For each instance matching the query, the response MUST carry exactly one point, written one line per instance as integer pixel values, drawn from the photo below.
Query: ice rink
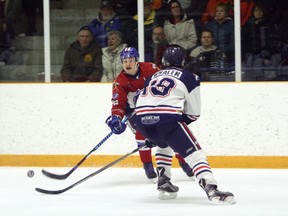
(126, 191)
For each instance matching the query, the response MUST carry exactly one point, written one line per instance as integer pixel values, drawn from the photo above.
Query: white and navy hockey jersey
(171, 94)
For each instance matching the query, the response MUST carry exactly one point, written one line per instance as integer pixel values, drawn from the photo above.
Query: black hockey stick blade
(44, 191)
(56, 176)
(66, 175)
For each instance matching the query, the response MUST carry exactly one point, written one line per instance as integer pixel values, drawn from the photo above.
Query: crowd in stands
(190, 24)
(204, 28)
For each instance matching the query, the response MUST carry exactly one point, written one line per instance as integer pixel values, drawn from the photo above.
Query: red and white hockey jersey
(125, 87)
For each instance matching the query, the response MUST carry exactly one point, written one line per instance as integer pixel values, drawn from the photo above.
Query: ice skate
(150, 172)
(188, 170)
(216, 196)
(166, 189)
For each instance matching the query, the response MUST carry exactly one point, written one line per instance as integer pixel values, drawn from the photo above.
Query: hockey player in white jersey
(164, 108)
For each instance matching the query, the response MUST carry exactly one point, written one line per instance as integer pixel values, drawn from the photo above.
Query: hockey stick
(40, 190)
(64, 176)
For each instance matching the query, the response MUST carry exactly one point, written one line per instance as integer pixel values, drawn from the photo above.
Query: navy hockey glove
(116, 125)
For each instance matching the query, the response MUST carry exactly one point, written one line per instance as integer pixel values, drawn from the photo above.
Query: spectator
(158, 45)
(82, 61)
(206, 56)
(256, 31)
(206, 40)
(130, 28)
(222, 28)
(178, 28)
(259, 47)
(209, 13)
(274, 9)
(111, 56)
(245, 10)
(30, 7)
(9, 15)
(104, 22)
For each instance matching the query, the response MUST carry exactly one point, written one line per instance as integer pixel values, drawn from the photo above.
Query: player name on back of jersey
(171, 72)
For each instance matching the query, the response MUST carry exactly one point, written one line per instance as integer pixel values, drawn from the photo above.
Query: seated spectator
(274, 9)
(130, 27)
(222, 28)
(105, 21)
(158, 45)
(260, 46)
(245, 10)
(210, 11)
(206, 57)
(256, 31)
(111, 56)
(82, 61)
(178, 28)
(206, 40)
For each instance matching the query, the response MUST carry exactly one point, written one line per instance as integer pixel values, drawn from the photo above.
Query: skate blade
(228, 201)
(167, 195)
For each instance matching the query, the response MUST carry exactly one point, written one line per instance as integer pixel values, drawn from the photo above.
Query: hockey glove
(114, 122)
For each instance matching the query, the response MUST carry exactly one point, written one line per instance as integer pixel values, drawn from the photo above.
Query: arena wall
(243, 125)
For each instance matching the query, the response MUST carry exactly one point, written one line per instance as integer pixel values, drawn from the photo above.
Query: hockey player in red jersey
(125, 86)
(169, 102)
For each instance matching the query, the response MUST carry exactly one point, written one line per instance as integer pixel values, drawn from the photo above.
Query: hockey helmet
(174, 55)
(129, 52)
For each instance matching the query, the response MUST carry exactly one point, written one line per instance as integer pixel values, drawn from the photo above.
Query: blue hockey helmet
(174, 55)
(129, 52)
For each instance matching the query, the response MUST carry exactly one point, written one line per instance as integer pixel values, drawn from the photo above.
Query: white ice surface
(126, 191)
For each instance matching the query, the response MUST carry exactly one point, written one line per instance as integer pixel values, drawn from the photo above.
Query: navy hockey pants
(177, 135)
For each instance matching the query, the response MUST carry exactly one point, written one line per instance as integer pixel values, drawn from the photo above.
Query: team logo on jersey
(148, 120)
